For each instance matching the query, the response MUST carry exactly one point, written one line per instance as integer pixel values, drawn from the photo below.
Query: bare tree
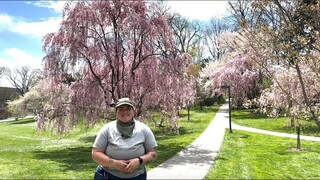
(2, 70)
(212, 33)
(240, 11)
(23, 79)
(186, 33)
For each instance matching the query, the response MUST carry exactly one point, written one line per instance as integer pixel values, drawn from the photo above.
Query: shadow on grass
(22, 121)
(166, 133)
(247, 114)
(71, 159)
(243, 136)
(313, 130)
(89, 139)
(220, 158)
(182, 115)
(206, 109)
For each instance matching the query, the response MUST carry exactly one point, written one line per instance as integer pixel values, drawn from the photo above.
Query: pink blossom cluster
(117, 49)
(285, 94)
(239, 74)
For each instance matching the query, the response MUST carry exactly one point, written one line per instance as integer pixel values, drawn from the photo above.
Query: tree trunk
(161, 122)
(292, 122)
(298, 137)
(315, 118)
(188, 112)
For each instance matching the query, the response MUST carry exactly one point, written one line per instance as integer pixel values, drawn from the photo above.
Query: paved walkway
(8, 119)
(196, 160)
(13, 118)
(309, 138)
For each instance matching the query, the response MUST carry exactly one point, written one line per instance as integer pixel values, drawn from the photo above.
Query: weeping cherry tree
(120, 49)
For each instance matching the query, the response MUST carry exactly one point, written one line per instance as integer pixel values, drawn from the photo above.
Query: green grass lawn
(25, 154)
(245, 117)
(247, 155)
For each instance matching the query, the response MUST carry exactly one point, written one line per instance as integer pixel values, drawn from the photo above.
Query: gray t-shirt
(109, 140)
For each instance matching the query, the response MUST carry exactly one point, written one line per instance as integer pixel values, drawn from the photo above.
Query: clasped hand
(127, 166)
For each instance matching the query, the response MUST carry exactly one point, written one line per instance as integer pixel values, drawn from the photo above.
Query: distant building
(6, 93)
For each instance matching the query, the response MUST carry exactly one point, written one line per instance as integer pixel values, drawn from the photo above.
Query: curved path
(309, 138)
(196, 160)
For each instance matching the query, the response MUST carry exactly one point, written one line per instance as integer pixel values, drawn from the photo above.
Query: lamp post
(228, 87)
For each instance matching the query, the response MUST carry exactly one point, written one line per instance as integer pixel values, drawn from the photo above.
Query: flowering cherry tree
(285, 96)
(289, 39)
(32, 101)
(118, 49)
(238, 73)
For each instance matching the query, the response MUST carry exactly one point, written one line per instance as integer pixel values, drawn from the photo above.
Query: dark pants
(101, 174)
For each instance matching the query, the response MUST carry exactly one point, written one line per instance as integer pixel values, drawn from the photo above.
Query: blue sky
(24, 23)
(22, 26)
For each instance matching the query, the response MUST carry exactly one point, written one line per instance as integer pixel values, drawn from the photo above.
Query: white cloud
(200, 10)
(57, 6)
(4, 82)
(37, 29)
(18, 58)
(6, 21)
